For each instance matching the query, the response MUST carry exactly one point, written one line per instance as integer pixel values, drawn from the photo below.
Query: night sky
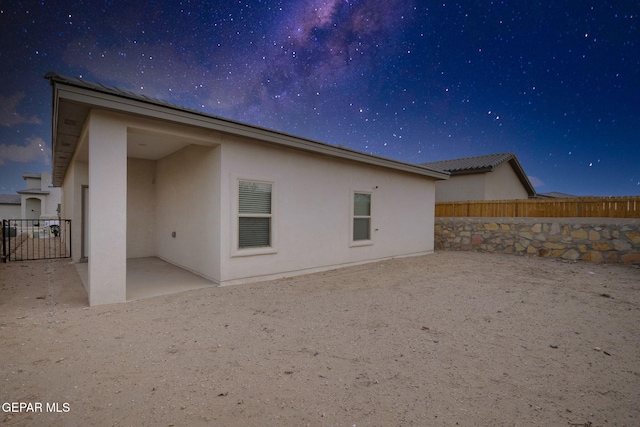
(556, 82)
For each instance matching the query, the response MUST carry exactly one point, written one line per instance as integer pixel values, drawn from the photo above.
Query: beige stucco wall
(312, 211)
(141, 208)
(107, 138)
(32, 206)
(51, 200)
(461, 187)
(77, 176)
(188, 203)
(129, 197)
(9, 211)
(136, 205)
(504, 184)
(32, 183)
(500, 184)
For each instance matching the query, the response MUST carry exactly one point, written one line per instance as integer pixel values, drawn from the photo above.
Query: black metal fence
(31, 239)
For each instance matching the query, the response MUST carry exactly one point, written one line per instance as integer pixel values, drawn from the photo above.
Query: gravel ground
(452, 338)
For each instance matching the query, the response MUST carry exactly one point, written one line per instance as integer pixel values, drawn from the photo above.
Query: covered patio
(130, 184)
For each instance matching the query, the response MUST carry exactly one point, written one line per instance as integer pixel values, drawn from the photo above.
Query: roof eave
(470, 171)
(524, 179)
(78, 93)
(31, 175)
(33, 191)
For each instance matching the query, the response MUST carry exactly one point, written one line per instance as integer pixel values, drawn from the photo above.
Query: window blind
(254, 232)
(254, 214)
(361, 227)
(362, 204)
(361, 216)
(255, 198)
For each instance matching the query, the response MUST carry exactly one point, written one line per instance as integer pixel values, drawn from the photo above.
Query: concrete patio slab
(150, 277)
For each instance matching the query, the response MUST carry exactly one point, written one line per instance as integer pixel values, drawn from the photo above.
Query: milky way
(558, 83)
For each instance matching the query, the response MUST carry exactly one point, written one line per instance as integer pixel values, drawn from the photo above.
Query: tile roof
(10, 199)
(482, 164)
(471, 164)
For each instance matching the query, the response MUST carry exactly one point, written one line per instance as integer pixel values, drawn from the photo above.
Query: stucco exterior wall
(9, 211)
(77, 176)
(32, 206)
(461, 187)
(141, 208)
(107, 138)
(313, 211)
(137, 205)
(504, 184)
(32, 183)
(188, 203)
(48, 206)
(500, 184)
(53, 199)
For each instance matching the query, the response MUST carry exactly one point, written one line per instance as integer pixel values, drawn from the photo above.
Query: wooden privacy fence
(581, 207)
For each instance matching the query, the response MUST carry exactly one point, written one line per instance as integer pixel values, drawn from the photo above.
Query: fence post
(68, 227)
(580, 208)
(4, 241)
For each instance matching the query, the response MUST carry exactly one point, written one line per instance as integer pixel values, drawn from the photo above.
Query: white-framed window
(254, 225)
(361, 218)
(254, 214)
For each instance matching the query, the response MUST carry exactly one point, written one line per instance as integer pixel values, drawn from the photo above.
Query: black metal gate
(31, 239)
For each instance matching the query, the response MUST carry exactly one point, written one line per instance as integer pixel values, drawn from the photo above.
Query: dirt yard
(453, 338)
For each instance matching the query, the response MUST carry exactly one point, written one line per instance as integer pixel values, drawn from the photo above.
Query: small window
(361, 216)
(254, 215)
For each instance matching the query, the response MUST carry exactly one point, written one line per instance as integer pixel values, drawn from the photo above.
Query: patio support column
(107, 137)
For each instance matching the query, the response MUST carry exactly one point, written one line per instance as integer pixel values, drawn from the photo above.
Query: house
(490, 177)
(232, 202)
(38, 201)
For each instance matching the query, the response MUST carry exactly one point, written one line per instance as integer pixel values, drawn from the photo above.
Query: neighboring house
(489, 177)
(229, 201)
(40, 200)
(10, 206)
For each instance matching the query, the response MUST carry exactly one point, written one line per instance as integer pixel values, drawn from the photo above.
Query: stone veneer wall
(608, 240)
